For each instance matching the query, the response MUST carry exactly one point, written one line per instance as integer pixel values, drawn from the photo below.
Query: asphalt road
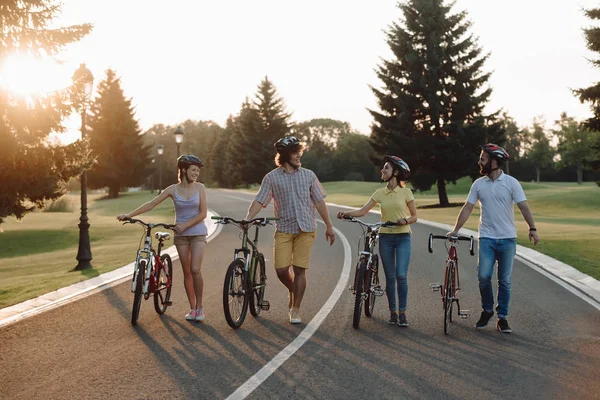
(89, 350)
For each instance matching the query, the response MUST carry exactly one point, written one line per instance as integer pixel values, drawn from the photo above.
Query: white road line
(248, 387)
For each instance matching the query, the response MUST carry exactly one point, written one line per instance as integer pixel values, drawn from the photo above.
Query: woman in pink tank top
(189, 198)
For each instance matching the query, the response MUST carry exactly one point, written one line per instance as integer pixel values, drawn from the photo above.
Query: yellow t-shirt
(394, 206)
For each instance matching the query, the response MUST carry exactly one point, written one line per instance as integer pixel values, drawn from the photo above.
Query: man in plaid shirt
(296, 193)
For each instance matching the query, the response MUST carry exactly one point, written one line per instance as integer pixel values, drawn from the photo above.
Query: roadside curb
(584, 284)
(57, 298)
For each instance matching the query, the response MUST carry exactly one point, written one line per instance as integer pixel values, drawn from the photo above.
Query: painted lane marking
(257, 379)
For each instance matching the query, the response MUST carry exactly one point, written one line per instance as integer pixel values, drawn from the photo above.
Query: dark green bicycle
(246, 278)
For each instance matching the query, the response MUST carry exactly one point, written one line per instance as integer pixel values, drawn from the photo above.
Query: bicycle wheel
(137, 297)
(235, 299)
(164, 284)
(258, 286)
(360, 288)
(372, 283)
(447, 299)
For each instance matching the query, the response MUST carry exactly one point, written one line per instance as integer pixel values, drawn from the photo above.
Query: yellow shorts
(293, 249)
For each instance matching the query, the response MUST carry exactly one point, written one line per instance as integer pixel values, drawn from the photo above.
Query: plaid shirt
(295, 196)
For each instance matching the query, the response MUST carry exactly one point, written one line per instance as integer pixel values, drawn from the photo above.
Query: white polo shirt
(496, 199)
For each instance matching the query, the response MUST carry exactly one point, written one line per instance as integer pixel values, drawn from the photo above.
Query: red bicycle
(153, 272)
(451, 284)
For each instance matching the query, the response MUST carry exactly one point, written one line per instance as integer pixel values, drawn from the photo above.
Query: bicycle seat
(162, 235)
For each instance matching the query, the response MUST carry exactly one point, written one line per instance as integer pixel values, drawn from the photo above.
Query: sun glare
(27, 76)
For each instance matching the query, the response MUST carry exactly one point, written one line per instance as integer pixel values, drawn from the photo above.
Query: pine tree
(122, 159)
(261, 123)
(31, 170)
(432, 96)
(591, 94)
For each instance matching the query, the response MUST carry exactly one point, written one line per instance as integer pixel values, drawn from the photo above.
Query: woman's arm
(358, 213)
(413, 214)
(149, 205)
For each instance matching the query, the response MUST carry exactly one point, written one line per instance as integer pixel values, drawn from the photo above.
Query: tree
(540, 152)
(591, 94)
(115, 140)
(32, 171)
(575, 144)
(321, 137)
(260, 124)
(432, 96)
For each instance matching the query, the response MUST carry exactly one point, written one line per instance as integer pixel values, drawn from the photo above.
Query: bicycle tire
(137, 296)
(358, 298)
(164, 284)
(373, 282)
(235, 297)
(447, 299)
(258, 284)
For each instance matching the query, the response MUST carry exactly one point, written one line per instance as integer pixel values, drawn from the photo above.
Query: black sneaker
(402, 321)
(393, 319)
(502, 326)
(484, 319)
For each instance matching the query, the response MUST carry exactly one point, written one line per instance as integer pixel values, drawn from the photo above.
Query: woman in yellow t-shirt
(397, 203)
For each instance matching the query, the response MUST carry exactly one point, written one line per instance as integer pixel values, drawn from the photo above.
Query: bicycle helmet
(285, 143)
(186, 160)
(400, 165)
(495, 151)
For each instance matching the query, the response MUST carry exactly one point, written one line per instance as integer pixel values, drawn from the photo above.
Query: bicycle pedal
(464, 314)
(265, 305)
(435, 286)
(168, 303)
(378, 291)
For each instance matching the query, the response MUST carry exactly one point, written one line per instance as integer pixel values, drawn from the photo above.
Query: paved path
(580, 284)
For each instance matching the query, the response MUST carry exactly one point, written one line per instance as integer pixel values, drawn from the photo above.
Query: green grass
(566, 215)
(37, 255)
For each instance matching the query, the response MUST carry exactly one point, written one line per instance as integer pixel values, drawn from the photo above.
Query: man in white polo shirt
(496, 193)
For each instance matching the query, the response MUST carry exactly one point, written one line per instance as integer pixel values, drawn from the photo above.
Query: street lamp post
(83, 78)
(160, 149)
(178, 138)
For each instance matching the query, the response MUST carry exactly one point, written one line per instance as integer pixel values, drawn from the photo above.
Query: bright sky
(191, 59)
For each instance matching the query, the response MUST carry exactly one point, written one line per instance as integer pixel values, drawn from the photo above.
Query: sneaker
(502, 326)
(290, 300)
(393, 318)
(402, 322)
(191, 315)
(200, 314)
(295, 316)
(484, 319)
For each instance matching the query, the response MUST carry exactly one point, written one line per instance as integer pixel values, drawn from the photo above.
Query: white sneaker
(191, 315)
(295, 316)
(200, 314)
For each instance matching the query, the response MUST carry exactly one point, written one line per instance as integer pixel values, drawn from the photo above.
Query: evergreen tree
(31, 170)
(591, 94)
(261, 123)
(122, 158)
(432, 96)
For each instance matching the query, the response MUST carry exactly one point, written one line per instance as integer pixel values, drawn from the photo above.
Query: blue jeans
(394, 250)
(490, 251)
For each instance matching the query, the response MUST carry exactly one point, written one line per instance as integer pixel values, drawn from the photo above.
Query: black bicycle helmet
(186, 160)
(401, 166)
(495, 151)
(285, 143)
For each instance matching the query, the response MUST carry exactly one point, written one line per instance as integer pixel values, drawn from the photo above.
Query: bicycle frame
(152, 259)
(449, 290)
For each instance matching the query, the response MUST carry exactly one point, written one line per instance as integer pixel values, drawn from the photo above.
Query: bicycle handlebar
(146, 224)
(451, 239)
(264, 221)
(385, 224)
